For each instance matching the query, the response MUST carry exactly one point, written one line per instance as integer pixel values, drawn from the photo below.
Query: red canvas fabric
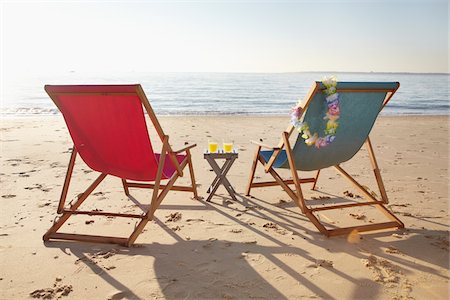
(109, 130)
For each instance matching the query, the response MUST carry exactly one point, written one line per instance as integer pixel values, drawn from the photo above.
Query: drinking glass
(227, 147)
(212, 147)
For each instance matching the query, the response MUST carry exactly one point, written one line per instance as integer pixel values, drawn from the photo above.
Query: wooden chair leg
(138, 231)
(315, 180)
(355, 183)
(65, 189)
(376, 171)
(153, 204)
(159, 173)
(252, 171)
(125, 187)
(156, 201)
(300, 200)
(191, 172)
(317, 223)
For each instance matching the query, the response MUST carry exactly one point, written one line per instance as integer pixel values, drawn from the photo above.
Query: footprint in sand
(176, 228)
(55, 165)
(351, 195)
(8, 196)
(57, 291)
(277, 229)
(176, 216)
(14, 162)
(383, 270)
(358, 216)
(281, 203)
(389, 275)
(321, 263)
(392, 250)
(39, 187)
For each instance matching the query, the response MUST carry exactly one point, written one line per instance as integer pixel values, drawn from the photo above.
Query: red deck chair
(108, 128)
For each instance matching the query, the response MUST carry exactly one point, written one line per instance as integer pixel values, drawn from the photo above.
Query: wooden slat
(362, 228)
(274, 183)
(352, 180)
(150, 112)
(315, 180)
(390, 215)
(191, 173)
(157, 126)
(252, 170)
(278, 178)
(345, 205)
(264, 145)
(376, 171)
(156, 201)
(270, 183)
(101, 213)
(316, 222)
(300, 201)
(185, 148)
(389, 95)
(304, 104)
(125, 187)
(88, 238)
(220, 155)
(161, 186)
(65, 189)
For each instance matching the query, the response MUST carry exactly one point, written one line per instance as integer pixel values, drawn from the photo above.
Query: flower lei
(332, 115)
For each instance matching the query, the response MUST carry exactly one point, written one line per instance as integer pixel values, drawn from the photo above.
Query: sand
(257, 247)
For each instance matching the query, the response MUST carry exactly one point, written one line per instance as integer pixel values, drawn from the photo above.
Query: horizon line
(281, 72)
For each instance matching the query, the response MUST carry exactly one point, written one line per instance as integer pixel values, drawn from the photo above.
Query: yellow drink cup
(227, 147)
(212, 147)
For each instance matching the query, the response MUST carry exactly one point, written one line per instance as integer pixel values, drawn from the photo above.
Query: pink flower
(334, 110)
(321, 142)
(333, 107)
(296, 111)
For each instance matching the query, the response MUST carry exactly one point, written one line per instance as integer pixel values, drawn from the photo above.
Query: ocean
(227, 93)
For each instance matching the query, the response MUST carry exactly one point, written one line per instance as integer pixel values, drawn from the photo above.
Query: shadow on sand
(221, 269)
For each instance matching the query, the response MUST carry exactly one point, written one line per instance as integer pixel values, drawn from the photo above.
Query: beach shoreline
(259, 246)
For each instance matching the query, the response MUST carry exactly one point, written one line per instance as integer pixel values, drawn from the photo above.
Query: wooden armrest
(185, 148)
(264, 145)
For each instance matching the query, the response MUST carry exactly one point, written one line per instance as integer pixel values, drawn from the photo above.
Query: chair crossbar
(161, 186)
(340, 206)
(275, 183)
(362, 228)
(101, 213)
(88, 238)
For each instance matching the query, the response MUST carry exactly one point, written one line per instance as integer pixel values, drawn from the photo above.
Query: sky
(224, 36)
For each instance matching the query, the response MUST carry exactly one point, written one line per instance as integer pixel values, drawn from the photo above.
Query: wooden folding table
(221, 172)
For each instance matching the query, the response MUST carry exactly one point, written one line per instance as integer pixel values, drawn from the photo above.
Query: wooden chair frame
(157, 196)
(297, 194)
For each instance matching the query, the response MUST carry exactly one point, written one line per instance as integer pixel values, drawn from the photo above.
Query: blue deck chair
(360, 104)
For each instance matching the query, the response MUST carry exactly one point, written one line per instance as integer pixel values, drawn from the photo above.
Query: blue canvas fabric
(359, 111)
(281, 158)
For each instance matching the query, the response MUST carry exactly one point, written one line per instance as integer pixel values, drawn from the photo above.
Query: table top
(220, 154)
